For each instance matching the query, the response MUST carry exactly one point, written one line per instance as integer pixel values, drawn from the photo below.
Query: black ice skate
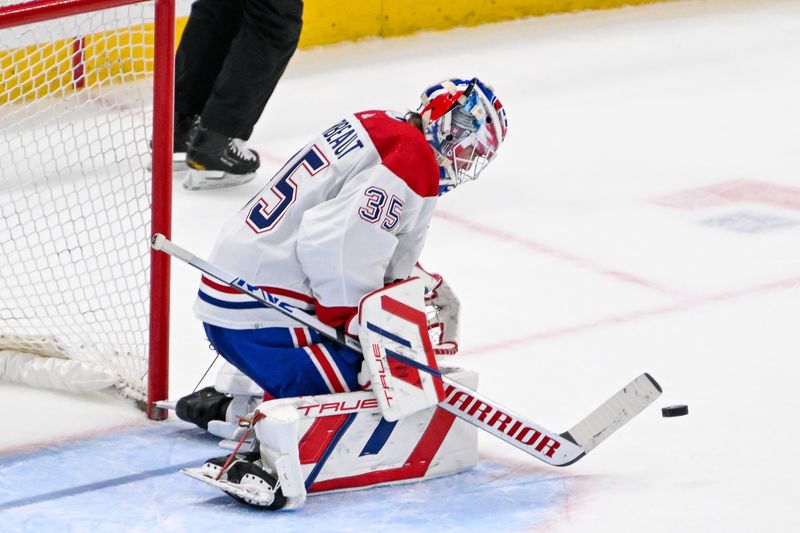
(180, 136)
(217, 161)
(203, 406)
(180, 133)
(244, 480)
(181, 129)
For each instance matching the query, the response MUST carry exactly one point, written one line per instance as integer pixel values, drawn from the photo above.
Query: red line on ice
(553, 252)
(685, 305)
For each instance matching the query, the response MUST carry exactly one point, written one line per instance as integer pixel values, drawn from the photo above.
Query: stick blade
(615, 412)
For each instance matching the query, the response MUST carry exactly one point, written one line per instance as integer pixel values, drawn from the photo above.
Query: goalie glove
(442, 308)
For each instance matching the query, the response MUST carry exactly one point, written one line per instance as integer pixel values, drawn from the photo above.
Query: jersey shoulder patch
(403, 150)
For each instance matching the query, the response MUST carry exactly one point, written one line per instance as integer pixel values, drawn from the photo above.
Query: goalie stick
(556, 449)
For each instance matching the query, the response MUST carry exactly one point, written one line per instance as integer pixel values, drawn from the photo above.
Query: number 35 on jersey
(267, 212)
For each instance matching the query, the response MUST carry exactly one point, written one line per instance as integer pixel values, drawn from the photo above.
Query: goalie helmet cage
(84, 86)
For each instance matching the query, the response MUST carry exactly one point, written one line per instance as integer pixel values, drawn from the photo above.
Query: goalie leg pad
(337, 442)
(276, 431)
(361, 449)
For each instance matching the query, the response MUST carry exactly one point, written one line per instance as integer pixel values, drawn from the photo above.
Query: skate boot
(181, 129)
(180, 136)
(183, 126)
(245, 480)
(216, 161)
(203, 406)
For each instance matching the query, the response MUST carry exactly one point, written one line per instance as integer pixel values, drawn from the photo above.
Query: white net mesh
(75, 120)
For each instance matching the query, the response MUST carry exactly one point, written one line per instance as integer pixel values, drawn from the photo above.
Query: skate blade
(252, 497)
(197, 180)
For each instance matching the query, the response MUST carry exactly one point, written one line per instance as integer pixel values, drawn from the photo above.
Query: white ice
(586, 254)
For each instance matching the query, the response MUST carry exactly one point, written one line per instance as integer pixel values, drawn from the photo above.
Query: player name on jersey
(342, 138)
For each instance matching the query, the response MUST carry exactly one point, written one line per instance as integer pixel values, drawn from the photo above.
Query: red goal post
(152, 49)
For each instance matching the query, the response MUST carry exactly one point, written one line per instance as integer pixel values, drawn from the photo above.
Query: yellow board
(123, 54)
(67, 64)
(331, 21)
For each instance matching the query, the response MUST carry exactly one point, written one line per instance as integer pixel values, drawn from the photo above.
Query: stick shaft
(552, 448)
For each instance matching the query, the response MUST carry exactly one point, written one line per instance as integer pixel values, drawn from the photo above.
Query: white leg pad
(341, 441)
(277, 434)
(369, 451)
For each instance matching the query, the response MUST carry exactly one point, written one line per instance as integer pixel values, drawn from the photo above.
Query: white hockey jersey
(346, 215)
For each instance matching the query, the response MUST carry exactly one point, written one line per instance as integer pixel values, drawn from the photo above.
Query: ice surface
(642, 216)
(128, 482)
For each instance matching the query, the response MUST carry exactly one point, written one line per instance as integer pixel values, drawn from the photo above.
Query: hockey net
(82, 304)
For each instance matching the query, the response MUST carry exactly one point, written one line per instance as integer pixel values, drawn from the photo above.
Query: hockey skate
(180, 135)
(203, 406)
(182, 127)
(216, 161)
(245, 480)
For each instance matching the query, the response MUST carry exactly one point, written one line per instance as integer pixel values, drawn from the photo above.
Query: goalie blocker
(398, 354)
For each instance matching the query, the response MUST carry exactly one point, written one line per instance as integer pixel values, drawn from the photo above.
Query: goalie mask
(465, 124)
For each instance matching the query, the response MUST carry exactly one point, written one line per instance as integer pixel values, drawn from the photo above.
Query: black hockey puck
(674, 410)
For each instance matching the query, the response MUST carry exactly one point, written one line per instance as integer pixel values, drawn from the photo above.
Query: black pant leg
(206, 40)
(267, 39)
